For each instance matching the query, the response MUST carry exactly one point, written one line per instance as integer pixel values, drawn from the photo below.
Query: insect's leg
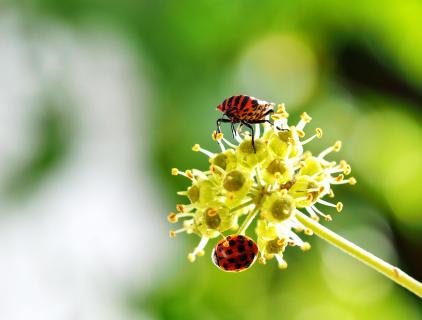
(247, 124)
(219, 121)
(233, 131)
(238, 128)
(268, 112)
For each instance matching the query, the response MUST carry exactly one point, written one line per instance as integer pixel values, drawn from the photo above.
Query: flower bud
(212, 218)
(305, 191)
(234, 181)
(279, 207)
(225, 160)
(277, 170)
(193, 193)
(248, 156)
(236, 185)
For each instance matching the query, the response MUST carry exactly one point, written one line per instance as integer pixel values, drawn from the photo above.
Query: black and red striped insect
(245, 110)
(235, 253)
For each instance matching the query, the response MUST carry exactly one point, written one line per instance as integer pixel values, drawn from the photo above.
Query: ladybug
(235, 253)
(245, 110)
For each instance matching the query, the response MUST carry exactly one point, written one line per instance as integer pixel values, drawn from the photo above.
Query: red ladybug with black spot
(245, 110)
(235, 253)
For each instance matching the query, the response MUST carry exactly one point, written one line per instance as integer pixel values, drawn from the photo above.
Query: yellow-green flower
(271, 184)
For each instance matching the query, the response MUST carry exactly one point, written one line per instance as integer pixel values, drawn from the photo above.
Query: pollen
(339, 206)
(174, 171)
(196, 147)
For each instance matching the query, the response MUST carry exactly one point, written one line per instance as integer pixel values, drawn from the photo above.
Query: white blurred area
(74, 247)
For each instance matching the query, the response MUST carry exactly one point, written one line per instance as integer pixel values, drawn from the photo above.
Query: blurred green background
(354, 66)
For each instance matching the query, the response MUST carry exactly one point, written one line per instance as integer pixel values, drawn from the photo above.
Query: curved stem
(249, 218)
(362, 255)
(241, 206)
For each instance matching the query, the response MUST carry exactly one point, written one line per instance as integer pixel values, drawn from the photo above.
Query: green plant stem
(243, 205)
(362, 255)
(249, 218)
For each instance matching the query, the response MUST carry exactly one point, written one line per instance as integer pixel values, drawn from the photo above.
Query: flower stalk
(362, 255)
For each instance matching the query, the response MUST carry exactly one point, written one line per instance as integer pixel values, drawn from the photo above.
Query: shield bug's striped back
(245, 108)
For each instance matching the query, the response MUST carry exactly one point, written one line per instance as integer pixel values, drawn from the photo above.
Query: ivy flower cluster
(270, 183)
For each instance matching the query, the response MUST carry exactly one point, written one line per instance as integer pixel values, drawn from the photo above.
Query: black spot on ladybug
(243, 257)
(232, 243)
(229, 252)
(241, 248)
(238, 265)
(231, 260)
(225, 266)
(250, 243)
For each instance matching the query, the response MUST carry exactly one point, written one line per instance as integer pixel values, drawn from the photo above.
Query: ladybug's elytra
(245, 110)
(235, 253)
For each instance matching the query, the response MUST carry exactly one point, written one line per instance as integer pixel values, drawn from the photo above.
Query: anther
(339, 206)
(191, 257)
(282, 265)
(308, 232)
(196, 147)
(352, 181)
(174, 171)
(300, 133)
(281, 108)
(305, 117)
(262, 260)
(216, 136)
(172, 233)
(212, 212)
(180, 207)
(189, 174)
(347, 170)
(305, 246)
(337, 146)
(172, 217)
(339, 178)
(318, 132)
